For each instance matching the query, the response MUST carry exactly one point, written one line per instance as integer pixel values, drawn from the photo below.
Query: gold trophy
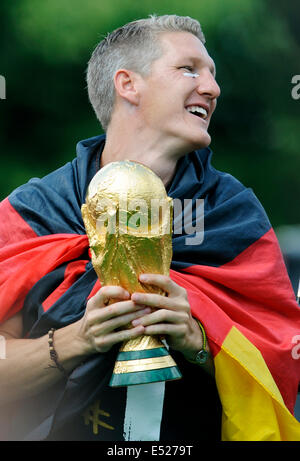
(128, 220)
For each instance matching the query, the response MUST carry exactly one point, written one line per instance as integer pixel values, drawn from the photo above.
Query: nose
(208, 85)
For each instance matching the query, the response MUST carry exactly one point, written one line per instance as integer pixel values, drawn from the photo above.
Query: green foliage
(45, 46)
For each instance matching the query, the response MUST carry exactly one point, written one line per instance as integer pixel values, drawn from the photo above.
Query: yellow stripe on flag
(253, 408)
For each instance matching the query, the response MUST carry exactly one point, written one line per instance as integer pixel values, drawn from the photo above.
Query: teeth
(198, 109)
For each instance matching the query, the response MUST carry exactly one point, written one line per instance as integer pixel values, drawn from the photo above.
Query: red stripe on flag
(13, 228)
(95, 289)
(73, 271)
(23, 264)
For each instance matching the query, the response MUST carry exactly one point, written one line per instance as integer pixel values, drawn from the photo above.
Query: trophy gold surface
(128, 220)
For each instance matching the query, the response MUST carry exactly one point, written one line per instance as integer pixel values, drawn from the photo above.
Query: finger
(105, 294)
(105, 313)
(118, 322)
(104, 343)
(161, 316)
(166, 329)
(164, 282)
(159, 301)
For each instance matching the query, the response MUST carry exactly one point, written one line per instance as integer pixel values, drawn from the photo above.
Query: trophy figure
(128, 220)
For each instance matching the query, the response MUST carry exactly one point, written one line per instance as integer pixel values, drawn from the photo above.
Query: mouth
(198, 111)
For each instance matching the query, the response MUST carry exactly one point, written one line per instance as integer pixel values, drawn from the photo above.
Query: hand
(101, 321)
(172, 318)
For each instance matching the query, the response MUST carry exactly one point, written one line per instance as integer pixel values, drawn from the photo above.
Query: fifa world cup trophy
(128, 220)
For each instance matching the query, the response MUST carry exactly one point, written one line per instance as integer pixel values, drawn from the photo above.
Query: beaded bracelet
(53, 353)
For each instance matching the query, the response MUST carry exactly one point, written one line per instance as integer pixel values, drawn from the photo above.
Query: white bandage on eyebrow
(191, 74)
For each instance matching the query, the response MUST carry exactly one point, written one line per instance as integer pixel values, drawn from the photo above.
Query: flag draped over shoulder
(235, 278)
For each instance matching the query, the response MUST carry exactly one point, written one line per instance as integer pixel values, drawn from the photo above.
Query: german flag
(235, 278)
(251, 319)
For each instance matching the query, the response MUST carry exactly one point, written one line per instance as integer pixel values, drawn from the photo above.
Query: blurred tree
(44, 50)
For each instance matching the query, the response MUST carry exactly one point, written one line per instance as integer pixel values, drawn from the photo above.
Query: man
(152, 85)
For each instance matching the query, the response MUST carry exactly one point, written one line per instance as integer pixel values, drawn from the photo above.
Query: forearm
(28, 369)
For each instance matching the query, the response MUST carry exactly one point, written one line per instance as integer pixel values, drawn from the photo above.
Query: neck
(155, 155)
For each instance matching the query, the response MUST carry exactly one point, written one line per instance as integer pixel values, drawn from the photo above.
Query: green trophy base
(145, 366)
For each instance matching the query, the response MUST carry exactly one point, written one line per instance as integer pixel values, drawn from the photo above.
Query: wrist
(200, 354)
(70, 347)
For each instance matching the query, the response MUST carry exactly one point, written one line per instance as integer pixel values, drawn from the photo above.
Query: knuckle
(160, 302)
(186, 317)
(169, 282)
(104, 290)
(90, 304)
(96, 330)
(100, 344)
(185, 329)
(186, 306)
(93, 317)
(183, 293)
(126, 334)
(109, 310)
(119, 322)
(103, 295)
(168, 329)
(89, 321)
(130, 333)
(181, 331)
(164, 314)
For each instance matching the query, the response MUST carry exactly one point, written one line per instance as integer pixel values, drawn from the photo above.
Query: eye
(189, 68)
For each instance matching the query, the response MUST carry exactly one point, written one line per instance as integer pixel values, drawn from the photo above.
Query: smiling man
(230, 313)
(166, 110)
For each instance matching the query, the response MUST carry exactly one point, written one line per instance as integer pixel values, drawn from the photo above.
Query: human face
(182, 78)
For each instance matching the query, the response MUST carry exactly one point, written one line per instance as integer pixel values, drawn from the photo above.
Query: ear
(125, 85)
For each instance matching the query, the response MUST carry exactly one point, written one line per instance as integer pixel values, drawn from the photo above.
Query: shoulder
(221, 186)
(52, 204)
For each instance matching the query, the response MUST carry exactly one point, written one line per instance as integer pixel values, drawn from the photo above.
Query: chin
(200, 142)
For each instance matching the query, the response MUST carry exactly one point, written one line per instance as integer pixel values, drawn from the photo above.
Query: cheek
(213, 105)
(159, 109)
(164, 102)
